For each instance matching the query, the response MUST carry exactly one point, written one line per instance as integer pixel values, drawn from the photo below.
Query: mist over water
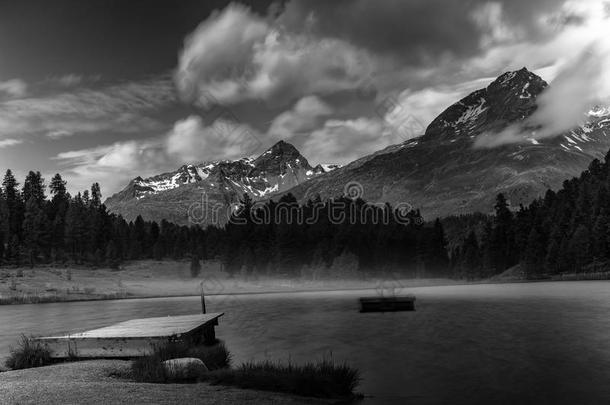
(508, 343)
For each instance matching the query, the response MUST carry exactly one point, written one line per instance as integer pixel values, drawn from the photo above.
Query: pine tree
(96, 195)
(57, 209)
(35, 230)
(33, 187)
(58, 188)
(502, 237)
(76, 229)
(14, 204)
(3, 225)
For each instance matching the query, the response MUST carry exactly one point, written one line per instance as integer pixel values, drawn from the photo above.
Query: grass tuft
(28, 354)
(150, 368)
(323, 379)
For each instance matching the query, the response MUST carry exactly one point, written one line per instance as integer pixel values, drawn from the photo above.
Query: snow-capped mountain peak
(278, 169)
(509, 98)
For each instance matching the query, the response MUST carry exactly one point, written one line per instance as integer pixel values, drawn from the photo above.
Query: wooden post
(203, 311)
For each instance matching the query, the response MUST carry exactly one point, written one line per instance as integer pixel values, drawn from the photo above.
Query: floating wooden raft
(133, 338)
(387, 304)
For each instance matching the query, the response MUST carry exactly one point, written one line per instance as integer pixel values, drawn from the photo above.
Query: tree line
(36, 228)
(60, 228)
(567, 231)
(357, 235)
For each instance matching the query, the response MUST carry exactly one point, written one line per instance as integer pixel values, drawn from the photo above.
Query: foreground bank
(99, 382)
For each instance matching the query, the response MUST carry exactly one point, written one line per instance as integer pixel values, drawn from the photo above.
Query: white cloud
(555, 48)
(70, 80)
(14, 88)
(578, 87)
(489, 17)
(581, 78)
(301, 120)
(193, 142)
(113, 165)
(189, 141)
(5, 143)
(115, 108)
(413, 110)
(235, 56)
(342, 141)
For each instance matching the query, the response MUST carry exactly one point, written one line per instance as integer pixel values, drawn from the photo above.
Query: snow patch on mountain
(277, 169)
(599, 111)
(472, 113)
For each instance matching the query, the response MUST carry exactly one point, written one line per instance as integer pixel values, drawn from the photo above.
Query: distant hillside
(566, 231)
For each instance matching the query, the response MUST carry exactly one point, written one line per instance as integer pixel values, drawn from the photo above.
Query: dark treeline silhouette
(60, 228)
(567, 231)
(280, 237)
(336, 235)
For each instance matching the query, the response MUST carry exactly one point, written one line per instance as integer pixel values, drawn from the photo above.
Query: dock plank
(132, 338)
(147, 327)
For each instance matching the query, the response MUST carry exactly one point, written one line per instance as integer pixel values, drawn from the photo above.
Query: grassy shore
(323, 379)
(164, 279)
(97, 382)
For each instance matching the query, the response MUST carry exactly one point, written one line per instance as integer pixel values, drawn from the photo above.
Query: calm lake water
(508, 343)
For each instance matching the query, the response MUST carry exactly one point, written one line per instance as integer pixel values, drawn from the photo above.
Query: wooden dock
(133, 338)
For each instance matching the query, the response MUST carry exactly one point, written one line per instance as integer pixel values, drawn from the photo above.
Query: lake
(546, 342)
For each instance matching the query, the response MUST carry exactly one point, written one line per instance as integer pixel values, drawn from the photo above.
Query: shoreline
(263, 292)
(153, 280)
(62, 299)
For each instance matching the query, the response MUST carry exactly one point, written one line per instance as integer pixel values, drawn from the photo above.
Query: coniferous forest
(58, 228)
(566, 231)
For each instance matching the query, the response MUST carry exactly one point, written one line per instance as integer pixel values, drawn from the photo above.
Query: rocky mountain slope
(443, 173)
(170, 195)
(440, 172)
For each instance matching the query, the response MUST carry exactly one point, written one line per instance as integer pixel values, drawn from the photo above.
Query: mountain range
(441, 172)
(169, 195)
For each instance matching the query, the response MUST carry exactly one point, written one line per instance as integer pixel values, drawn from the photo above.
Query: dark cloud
(415, 31)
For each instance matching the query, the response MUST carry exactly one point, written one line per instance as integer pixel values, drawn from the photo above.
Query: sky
(107, 90)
